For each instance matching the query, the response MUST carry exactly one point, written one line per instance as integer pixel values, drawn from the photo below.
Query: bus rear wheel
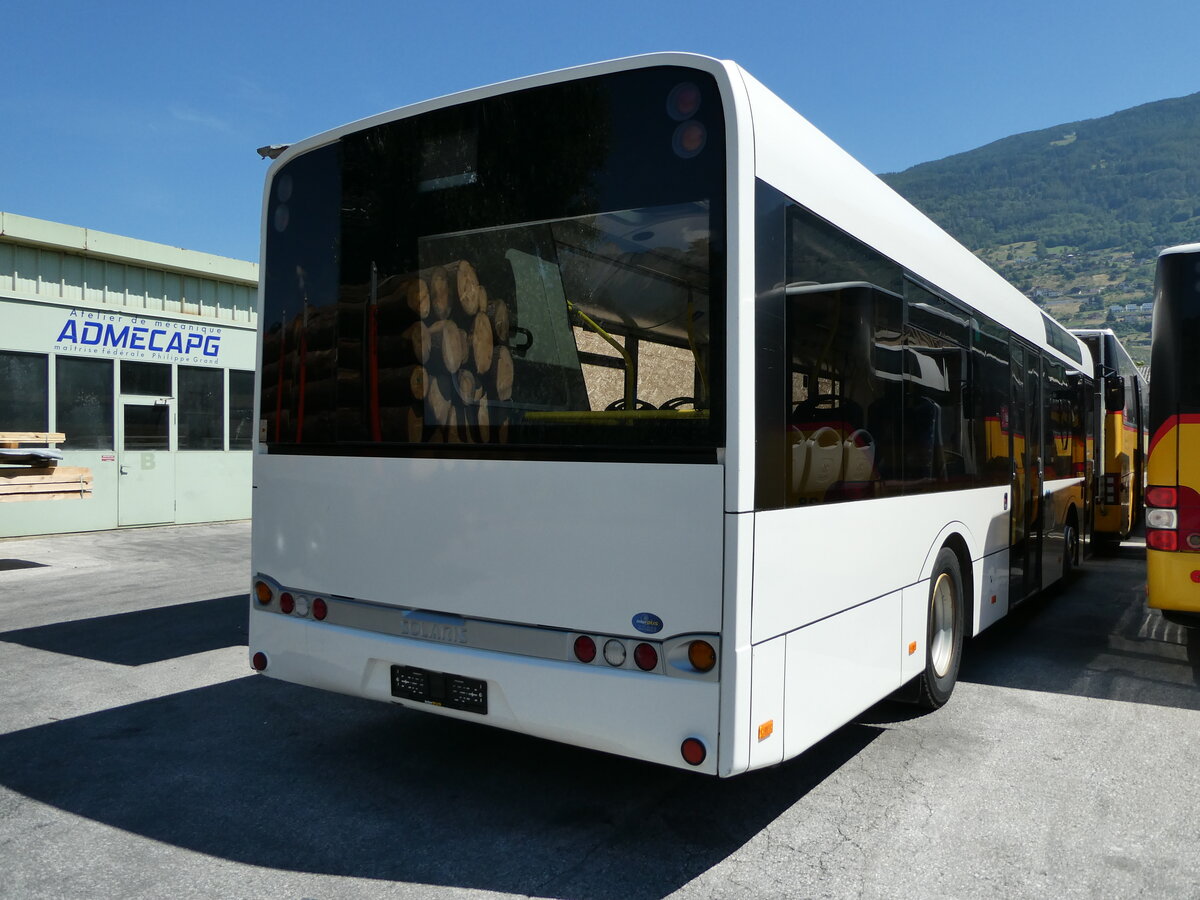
(944, 635)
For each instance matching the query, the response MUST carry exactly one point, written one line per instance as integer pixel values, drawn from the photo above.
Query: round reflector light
(262, 591)
(1193, 541)
(614, 653)
(645, 656)
(585, 648)
(259, 661)
(694, 751)
(683, 101)
(702, 656)
(319, 609)
(287, 602)
(689, 140)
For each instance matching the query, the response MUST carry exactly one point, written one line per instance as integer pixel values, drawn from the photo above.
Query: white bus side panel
(617, 711)
(578, 546)
(766, 709)
(838, 667)
(808, 562)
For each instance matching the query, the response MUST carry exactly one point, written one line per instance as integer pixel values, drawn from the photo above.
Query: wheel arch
(955, 537)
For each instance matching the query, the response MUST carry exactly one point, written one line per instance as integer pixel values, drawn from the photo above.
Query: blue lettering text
(114, 338)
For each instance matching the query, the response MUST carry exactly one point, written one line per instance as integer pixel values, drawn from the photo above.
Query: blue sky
(142, 118)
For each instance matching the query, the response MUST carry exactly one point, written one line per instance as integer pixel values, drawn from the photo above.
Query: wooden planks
(58, 483)
(13, 438)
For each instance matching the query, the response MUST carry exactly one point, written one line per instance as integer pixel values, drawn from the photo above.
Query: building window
(83, 402)
(201, 409)
(25, 391)
(241, 409)
(146, 379)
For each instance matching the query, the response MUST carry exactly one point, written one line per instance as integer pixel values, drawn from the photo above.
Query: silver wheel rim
(941, 642)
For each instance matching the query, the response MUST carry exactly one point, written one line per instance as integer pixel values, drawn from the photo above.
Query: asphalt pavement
(139, 757)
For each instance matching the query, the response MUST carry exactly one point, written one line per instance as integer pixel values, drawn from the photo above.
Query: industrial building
(143, 356)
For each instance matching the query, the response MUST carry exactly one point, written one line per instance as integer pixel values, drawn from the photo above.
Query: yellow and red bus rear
(1173, 467)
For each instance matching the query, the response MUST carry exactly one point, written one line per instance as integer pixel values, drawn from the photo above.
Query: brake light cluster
(290, 603)
(616, 652)
(1173, 518)
(700, 657)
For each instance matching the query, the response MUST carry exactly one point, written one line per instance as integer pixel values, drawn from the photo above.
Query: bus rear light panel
(1172, 519)
(688, 656)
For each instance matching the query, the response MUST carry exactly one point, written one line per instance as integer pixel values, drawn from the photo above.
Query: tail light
(702, 655)
(1172, 518)
(259, 661)
(585, 648)
(693, 751)
(614, 652)
(645, 656)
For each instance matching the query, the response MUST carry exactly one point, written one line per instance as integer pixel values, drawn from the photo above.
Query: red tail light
(287, 603)
(585, 648)
(1162, 540)
(693, 751)
(319, 609)
(1163, 497)
(645, 656)
(259, 661)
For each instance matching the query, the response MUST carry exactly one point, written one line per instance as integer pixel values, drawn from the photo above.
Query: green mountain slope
(1074, 215)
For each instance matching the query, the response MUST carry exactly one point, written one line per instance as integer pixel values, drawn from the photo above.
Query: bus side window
(842, 426)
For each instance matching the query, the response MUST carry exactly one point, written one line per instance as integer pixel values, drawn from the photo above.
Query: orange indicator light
(912, 648)
(766, 729)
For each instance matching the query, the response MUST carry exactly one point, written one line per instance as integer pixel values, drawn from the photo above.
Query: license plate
(440, 689)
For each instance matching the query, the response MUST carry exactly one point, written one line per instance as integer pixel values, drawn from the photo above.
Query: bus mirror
(1114, 393)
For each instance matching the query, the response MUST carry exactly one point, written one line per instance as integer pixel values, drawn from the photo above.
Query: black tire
(945, 624)
(1070, 548)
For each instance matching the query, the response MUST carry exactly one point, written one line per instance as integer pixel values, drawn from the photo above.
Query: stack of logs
(443, 368)
(452, 363)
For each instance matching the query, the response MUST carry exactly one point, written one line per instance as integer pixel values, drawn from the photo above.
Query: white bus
(620, 407)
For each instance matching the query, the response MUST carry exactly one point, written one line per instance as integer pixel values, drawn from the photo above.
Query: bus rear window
(540, 272)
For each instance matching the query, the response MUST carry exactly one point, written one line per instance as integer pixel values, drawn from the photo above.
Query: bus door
(1025, 424)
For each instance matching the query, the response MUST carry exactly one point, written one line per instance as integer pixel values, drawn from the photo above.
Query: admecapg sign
(137, 337)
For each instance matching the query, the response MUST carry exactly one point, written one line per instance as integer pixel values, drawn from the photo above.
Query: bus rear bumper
(1173, 581)
(641, 715)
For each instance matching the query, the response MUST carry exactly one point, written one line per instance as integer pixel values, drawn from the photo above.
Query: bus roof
(1182, 248)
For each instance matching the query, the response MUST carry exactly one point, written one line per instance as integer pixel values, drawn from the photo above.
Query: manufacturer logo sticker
(647, 623)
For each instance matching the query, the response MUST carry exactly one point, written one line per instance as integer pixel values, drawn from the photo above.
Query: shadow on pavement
(398, 795)
(1094, 637)
(144, 636)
